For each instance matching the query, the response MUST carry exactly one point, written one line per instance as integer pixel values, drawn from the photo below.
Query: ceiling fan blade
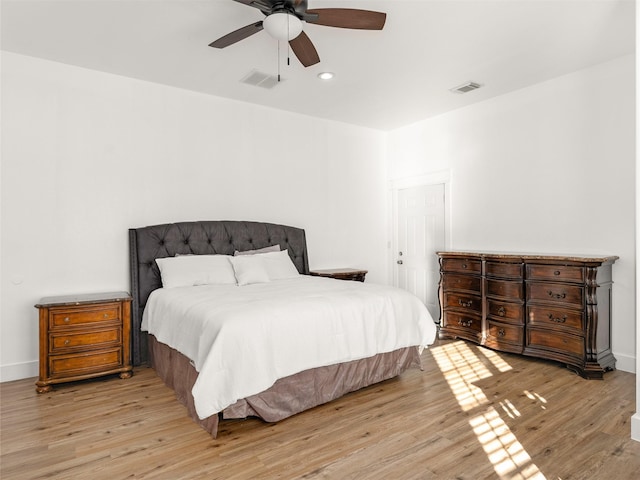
(347, 18)
(259, 4)
(304, 50)
(240, 34)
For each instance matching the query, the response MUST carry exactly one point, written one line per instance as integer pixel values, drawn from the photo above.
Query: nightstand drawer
(85, 316)
(85, 363)
(95, 338)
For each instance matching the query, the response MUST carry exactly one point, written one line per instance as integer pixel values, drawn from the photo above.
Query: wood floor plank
(470, 414)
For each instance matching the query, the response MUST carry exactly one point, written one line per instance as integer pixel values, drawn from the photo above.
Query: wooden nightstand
(84, 336)
(341, 274)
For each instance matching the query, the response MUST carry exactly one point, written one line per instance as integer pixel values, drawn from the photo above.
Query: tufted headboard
(197, 238)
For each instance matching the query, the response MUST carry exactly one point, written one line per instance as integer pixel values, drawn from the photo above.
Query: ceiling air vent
(259, 79)
(466, 87)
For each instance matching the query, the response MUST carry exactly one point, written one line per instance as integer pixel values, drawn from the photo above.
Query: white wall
(635, 420)
(549, 169)
(87, 155)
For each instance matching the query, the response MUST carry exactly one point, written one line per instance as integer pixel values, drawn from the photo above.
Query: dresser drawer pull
(106, 315)
(556, 273)
(464, 266)
(501, 311)
(67, 342)
(557, 319)
(466, 304)
(465, 323)
(556, 295)
(66, 319)
(501, 332)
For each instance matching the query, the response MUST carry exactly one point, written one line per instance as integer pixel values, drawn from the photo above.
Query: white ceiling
(383, 79)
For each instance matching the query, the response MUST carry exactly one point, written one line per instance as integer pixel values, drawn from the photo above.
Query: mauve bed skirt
(289, 395)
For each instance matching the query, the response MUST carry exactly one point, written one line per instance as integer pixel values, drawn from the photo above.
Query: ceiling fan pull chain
(288, 46)
(278, 60)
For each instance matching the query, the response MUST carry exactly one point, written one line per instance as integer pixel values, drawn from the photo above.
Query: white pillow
(279, 265)
(189, 270)
(249, 269)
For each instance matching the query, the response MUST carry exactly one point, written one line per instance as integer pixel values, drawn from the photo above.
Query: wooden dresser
(545, 306)
(84, 336)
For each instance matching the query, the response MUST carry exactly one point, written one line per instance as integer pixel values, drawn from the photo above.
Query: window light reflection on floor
(461, 368)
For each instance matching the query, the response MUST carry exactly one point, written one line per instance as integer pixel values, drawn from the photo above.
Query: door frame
(435, 178)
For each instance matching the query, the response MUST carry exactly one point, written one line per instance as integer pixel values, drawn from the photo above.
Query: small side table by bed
(341, 274)
(84, 336)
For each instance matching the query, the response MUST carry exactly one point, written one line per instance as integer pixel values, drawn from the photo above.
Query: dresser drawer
(558, 342)
(499, 333)
(462, 301)
(505, 312)
(555, 293)
(468, 283)
(64, 341)
(546, 316)
(85, 363)
(504, 270)
(109, 312)
(462, 321)
(465, 265)
(558, 273)
(513, 290)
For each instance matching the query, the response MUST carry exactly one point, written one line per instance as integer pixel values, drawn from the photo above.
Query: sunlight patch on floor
(508, 456)
(450, 357)
(461, 368)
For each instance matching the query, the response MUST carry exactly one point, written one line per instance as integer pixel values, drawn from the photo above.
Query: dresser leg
(126, 374)
(43, 388)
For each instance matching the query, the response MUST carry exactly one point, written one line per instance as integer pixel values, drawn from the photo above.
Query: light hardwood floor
(471, 414)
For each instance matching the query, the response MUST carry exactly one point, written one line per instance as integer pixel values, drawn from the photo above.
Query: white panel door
(421, 232)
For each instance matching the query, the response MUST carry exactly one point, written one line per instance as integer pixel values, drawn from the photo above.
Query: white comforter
(242, 339)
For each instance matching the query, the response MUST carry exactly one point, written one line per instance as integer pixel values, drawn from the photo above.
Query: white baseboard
(626, 363)
(635, 427)
(18, 371)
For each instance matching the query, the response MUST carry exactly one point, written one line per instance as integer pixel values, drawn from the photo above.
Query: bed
(270, 342)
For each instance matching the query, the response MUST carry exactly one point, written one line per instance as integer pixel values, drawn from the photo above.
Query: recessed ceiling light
(325, 76)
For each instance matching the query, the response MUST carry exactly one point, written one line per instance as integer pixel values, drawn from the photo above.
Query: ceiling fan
(284, 22)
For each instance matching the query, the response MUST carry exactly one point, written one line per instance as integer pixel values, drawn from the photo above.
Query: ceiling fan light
(282, 26)
(325, 75)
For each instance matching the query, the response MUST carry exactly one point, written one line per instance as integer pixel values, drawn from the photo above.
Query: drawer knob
(66, 319)
(106, 315)
(464, 265)
(466, 304)
(501, 311)
(465, 323)
(557, 319)
(501, 332)
(67, 342)
(556, 273)
(556, 295)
